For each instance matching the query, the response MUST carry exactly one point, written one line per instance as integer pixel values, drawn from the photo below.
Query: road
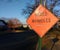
(18, 40)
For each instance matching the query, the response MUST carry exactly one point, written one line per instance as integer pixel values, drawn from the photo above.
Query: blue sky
(56, 8)
(13, 9)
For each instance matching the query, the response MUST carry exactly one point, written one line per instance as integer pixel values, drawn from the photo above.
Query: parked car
(3, 25)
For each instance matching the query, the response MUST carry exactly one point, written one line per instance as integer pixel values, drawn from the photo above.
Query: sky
(56, 7)
(13, 9)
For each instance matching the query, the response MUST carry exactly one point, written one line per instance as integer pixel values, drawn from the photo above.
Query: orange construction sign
(41, 20)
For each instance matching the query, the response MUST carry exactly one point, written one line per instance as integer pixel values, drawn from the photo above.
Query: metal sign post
(40, 39)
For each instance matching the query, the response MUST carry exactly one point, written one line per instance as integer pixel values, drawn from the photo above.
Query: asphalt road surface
(18, 40)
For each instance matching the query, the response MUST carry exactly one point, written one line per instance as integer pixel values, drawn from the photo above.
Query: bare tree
(31, 7)
(49, 4)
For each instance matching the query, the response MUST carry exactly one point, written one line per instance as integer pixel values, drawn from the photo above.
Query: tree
(31, 7)
(14, 23)
(56, 9)
(50, 4)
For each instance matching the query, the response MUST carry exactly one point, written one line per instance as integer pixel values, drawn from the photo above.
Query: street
(18, 40)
